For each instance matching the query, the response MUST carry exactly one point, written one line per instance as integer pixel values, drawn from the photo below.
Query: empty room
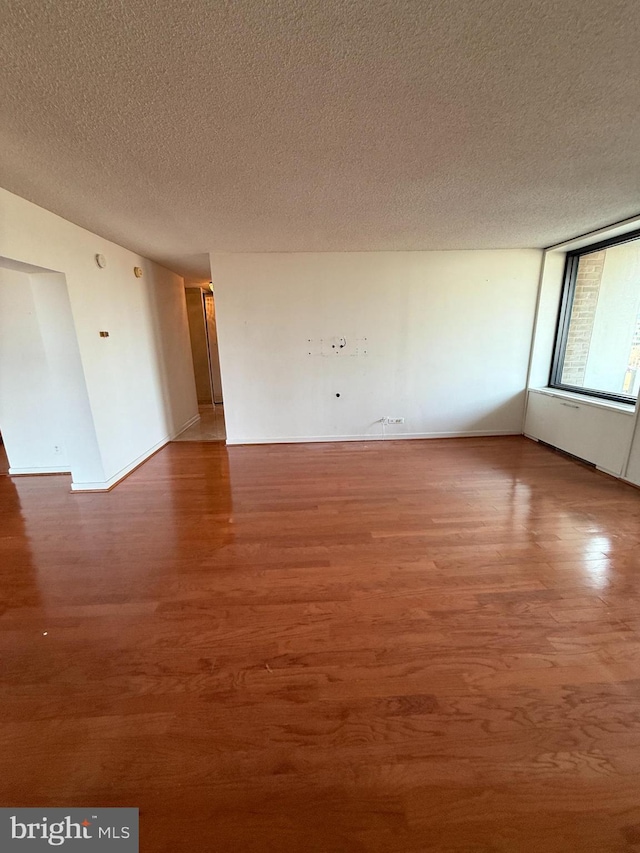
(319, 435)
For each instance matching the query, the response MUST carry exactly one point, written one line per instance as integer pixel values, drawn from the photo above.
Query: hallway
(210, 427)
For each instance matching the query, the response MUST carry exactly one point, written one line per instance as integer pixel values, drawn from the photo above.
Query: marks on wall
(337, 346)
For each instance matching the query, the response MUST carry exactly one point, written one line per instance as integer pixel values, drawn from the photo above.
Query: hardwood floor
(404, 646)
(4, 462)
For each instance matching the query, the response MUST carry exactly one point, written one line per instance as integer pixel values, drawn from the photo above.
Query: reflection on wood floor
(4, 462)
(210, 427)
(404, 646)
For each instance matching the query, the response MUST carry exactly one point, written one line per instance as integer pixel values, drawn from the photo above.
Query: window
(597, 348)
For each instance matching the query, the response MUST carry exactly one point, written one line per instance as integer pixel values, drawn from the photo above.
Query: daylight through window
(598, 344)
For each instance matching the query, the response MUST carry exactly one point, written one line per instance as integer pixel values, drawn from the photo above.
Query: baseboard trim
(113, 481)
(313, 439)
(109, 484)
(27, 472)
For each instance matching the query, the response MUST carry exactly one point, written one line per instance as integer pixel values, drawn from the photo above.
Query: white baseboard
(388, 437)
(107, 485)
(20, 472)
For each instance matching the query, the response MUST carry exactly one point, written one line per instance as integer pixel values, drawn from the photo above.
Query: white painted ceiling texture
(179, 128)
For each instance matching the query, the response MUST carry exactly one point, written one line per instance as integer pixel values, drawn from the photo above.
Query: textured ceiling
(179, 128)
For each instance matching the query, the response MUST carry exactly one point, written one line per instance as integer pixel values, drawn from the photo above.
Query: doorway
(201, 314)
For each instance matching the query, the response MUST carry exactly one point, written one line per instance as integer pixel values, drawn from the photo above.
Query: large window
(598, 342)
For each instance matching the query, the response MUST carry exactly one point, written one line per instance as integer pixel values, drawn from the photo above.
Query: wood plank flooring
(4, 462)
(404, 646)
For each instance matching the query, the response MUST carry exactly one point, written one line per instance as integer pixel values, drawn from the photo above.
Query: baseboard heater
(568, 455)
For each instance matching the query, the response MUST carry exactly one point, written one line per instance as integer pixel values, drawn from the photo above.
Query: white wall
(45, 416)
(214, 356)
(139, 380)
(70, 406)
(633, 468)
(547, 311)
(448, 338)
(29, 415)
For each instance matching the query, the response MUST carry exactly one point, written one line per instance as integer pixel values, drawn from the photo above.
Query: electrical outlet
(394, 420)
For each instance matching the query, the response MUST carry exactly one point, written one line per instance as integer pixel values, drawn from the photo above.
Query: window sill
(585, 399)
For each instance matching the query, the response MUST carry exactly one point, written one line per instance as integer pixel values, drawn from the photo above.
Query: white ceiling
(179, 128)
